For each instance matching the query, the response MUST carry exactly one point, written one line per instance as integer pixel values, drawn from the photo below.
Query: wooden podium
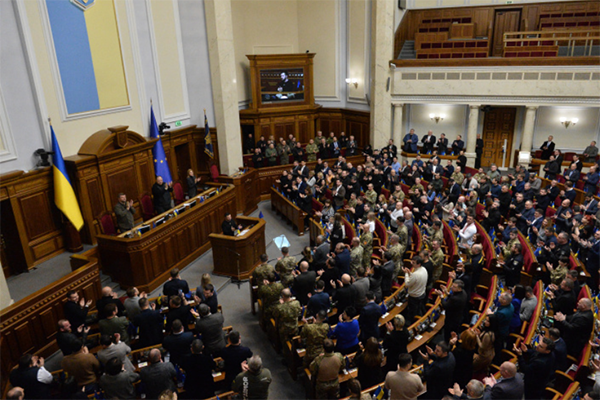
(237, 256)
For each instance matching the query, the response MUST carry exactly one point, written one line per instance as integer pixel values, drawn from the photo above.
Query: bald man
(108, 297)
(510, 387)
(158, 376)
(576, 328)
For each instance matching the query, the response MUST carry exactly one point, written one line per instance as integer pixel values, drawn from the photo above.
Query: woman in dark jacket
(463, 354)
(395, 342)
(368, 363)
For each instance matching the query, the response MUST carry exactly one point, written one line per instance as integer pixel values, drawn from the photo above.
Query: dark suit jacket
(572, 175)
(564, 302)
(104, 301)
(506, 389)
(181, 313)
(369, 321)
(560, 354)
(233, 357)
(150, 324)
(537, 368)
(439, 376)
(576, 330)
(75, 314)
(211, 329)
(303, 285)
(178, 346)
(442, 146)
(454, 305)
(549, 150)
(344, 297)
(171, 288)
(342, 261)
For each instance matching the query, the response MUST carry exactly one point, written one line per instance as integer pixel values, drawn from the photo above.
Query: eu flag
(161, 167)
(208, 147)
(64, 195)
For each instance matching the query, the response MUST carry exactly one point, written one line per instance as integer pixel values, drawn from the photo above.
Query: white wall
(576, 137)
(454, 123)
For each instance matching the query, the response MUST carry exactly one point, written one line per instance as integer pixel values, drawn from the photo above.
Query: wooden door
(504, 21)
(498, 125)
(183, 162)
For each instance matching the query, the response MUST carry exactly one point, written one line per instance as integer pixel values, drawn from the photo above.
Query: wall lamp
(568, 121)
(437, 117)
(352, 81)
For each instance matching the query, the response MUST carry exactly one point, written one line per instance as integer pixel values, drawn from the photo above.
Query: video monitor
(143, 229)
(160, 221)
(281, 85)
(193, 203)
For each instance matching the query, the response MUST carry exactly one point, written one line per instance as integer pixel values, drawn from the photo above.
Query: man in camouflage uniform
(402, 232)
(436, 233)
(262, 271)
(480, 174)
(396, 251)
(356, 255)
(399, 194)
(311, 150)
(269, 294)
(313, 335)
(286, 314)
(514, 238)
(366, 241)
(284, 267)
(284, 153)
(417, 185)
(371, 196)
(325, 370)
(457, 176)
(271, 154)
(437, 259)
(330, 138)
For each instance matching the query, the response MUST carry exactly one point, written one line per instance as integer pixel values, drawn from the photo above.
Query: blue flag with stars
(161, 168)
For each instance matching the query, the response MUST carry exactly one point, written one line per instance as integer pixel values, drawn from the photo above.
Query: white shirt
(416, 282)
(395, 214)
(371, 226)
(44, 376)
(466, 235)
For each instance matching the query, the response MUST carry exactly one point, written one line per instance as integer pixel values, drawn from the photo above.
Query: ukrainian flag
(208, 147)
(64, 195)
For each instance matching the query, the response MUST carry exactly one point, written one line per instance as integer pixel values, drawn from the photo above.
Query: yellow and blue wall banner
(88, 52)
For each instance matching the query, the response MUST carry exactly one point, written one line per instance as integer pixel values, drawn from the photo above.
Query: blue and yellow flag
(64, 195)
(208, 147)
(161, 167)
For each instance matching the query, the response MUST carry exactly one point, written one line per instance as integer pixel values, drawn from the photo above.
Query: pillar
(5, 299)
(398, 134)
(472, 134)
(382, 51)
(219, 29)
(527, 140)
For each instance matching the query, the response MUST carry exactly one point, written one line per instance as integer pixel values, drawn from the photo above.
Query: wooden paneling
(41, 223)
(29, 325)
(498, 126)
(491, 62)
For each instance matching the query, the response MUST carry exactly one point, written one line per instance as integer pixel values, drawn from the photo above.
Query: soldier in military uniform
(330, 138)
(402, 232)
(396, 251)
(262, 271)
(313, 335)
(286, 314)
(325, 370)
(356, 256)
(271, 155)
(269, 294)
(366, 241)
(284, 153)
(311, 150)
(437, 259)
(514, 238)
(371, 196)
(416, 186)
(399, 194)
(457, 176)
(435, 233)
(284, 267)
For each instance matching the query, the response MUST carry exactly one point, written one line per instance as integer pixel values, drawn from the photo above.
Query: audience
(158, 376)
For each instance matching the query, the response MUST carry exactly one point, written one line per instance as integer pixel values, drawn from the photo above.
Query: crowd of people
(185, 328)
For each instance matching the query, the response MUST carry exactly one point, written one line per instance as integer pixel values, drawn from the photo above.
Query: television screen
(144, 228)
(281, 85)
(160, 221)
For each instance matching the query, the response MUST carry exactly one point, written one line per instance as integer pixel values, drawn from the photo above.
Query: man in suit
(210, 326)
(342, 258)
(438, 374)
(320, 253)
(113, 347)
(178, 342)
(150, 323)
(161, 195)
(552, 167)
(509, 386)
(564, 299)
(537, 366)
(535, 225)
(410, 142)
(428, 142)
(233, 356)
(344, 294)
(392, 149)
(474, 388)
(369, 318)
(593, 259)
(435, 168)
(570, 193)
(76, 309)
(454, 190)
(576, 328)
(591, 180)
(442, 144)
(339, 194)
(560, 349)
(525, 217)
(175, 284)
(563, 215)
(109, 297)
(458, 145)
(478, 151)
(454, 303)
(304, 283)
(547, 148)
(572, 174)
(577, 162)
(158, 376)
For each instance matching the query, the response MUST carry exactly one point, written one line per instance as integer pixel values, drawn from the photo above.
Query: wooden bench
(285, 207)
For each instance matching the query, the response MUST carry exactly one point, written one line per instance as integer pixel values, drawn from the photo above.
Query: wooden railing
(288, 209)
(545, 43)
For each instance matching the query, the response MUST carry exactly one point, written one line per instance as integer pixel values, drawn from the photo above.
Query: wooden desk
(231, 252)
(247, 191)
(145, 261)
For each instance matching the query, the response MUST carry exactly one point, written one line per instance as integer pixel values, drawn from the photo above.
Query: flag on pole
(208, 147)
(260, 215)
(161, 168)
(64, 195)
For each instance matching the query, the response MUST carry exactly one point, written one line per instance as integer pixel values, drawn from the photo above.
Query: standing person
(31, 375)
(547, 148)
(537, 366)
(368, 363)
(369, 319)
(210, 326)
(124, 212)
(416, 283)
(576, 328)
(285, 265)
(198, 367)
(286, 315)
(161, 195)
(410, 142)
(192, 181)
(158, 376)
(511, 386)
(117, 382)
(346, 332)
(229, 226)
(401, 383)
(254, 381)
(233, 356)
(76, 309)
(395, 341)
(325, 369)
(478, 151)
(84, 367)
(175, 284)
(454, 303)
(439, 374)
(314, 334)
(150, 323)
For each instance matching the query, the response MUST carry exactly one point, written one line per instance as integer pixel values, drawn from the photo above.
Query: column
(219, 29)
(472, 134)
(398, 134)
(5, 299)
(527, 140)
(382, 51)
